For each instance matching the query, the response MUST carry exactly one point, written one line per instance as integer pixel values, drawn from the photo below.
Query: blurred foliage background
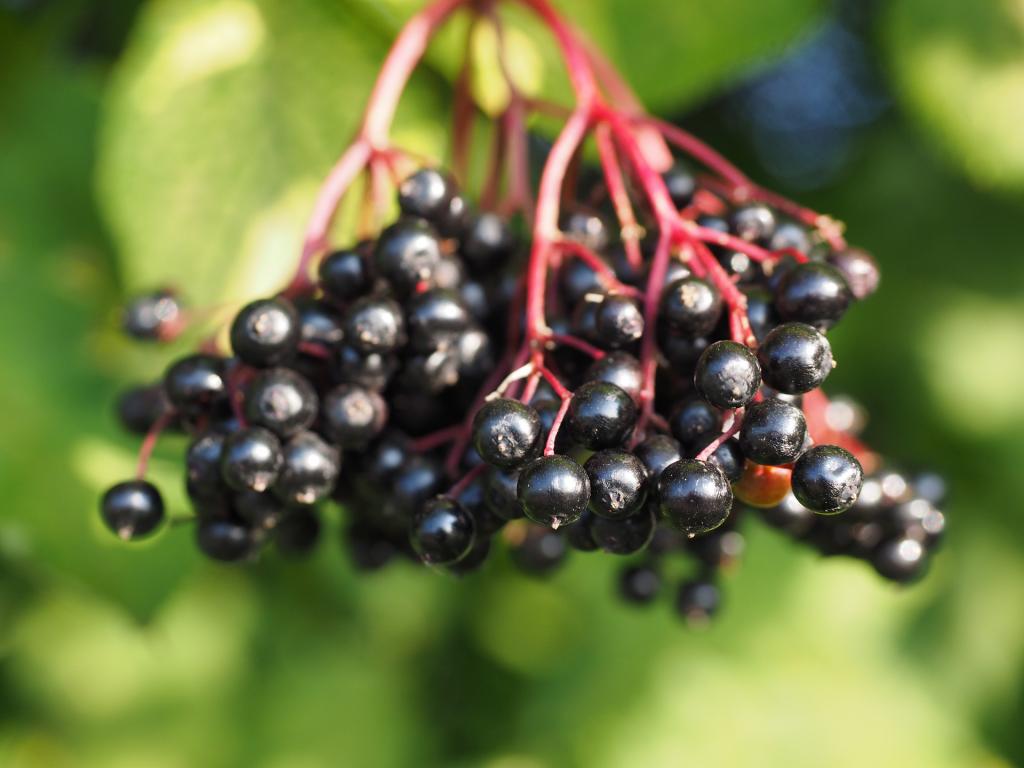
(156, 141)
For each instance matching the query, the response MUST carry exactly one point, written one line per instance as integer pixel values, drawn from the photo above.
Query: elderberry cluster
(374, 386)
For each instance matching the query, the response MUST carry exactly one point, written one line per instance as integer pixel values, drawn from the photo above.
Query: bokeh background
(145, 142)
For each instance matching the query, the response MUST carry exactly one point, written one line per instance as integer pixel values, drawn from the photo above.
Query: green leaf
(222, 118)
(959, 68)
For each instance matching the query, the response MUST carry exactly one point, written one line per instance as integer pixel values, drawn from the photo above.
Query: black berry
(694, 496)
(827, 479)
(132, 509)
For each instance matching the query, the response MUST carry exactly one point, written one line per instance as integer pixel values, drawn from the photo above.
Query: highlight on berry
(625, 357)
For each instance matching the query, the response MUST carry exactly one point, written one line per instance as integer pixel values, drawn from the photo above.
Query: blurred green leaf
(960, 69)
(221, 119)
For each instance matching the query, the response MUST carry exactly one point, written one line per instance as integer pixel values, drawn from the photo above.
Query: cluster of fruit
(387, 384)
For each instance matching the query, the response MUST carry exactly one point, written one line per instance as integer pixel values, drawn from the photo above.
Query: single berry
(456, 219)
(760, 312)
(426, 194)
(375, 325)
(132, 509)
(442, 532)
(859, 270)
(435, 317)
(372, 370)
(353, 415)
(694, 496)
(698, 600)
(225, 540)
(501, 493)
(319, 323)
(407, 253)
(473, 354)
(139, 408)
(729, 458)
(795, 358)
(695, 423)
(488, 243)
(813, 293)
(251, 459)
(344, 275)
(618, 368)
(639, 584)
(553, 491)
(691, 306)
(585, 227)
(656, 453)
(202, 467)
(618, 483)
(901, 560)
(728, 375)
(578, 534)
(762, 485)
(600, 415)
(789, 235)
(506, 433)
(827, 479)
(577, 279)
(153, 317)
(754, 223)
(773, 432)
(309, 470)
(196, 383)
(415, 482)
(266, 332)
(281, 400)
(681, 184)
(625, 536)
(619, 322)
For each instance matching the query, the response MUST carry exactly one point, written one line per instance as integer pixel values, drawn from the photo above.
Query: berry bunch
(622, 364)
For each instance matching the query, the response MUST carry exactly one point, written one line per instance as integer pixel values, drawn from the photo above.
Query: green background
(181, 141)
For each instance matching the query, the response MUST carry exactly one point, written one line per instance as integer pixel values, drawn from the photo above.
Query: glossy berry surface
(375, 325)
(859, 270)
(553, 491)
(139, 408)
(795, 358)
(266, 332)
(344, 275)
(225, 540)
(813, 293)
(694, 423)
(619, 368)
(151, 317)
(694, 496)
(309, 470)
(656, 453)
(729, 458)
(132, 509)
(195, 383)
(901, 560)
(727, 375)
(600, 415)
(755, 223)
(427, 194)
(435, 317)
(353, 415)
(773, 432)
(251, 459)
(406, 254)
(442, 532)
(282, 401)
(506, 433)
(618, 483)
(619, 322)
(827, 479)
(691, 306)
(488, 243)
